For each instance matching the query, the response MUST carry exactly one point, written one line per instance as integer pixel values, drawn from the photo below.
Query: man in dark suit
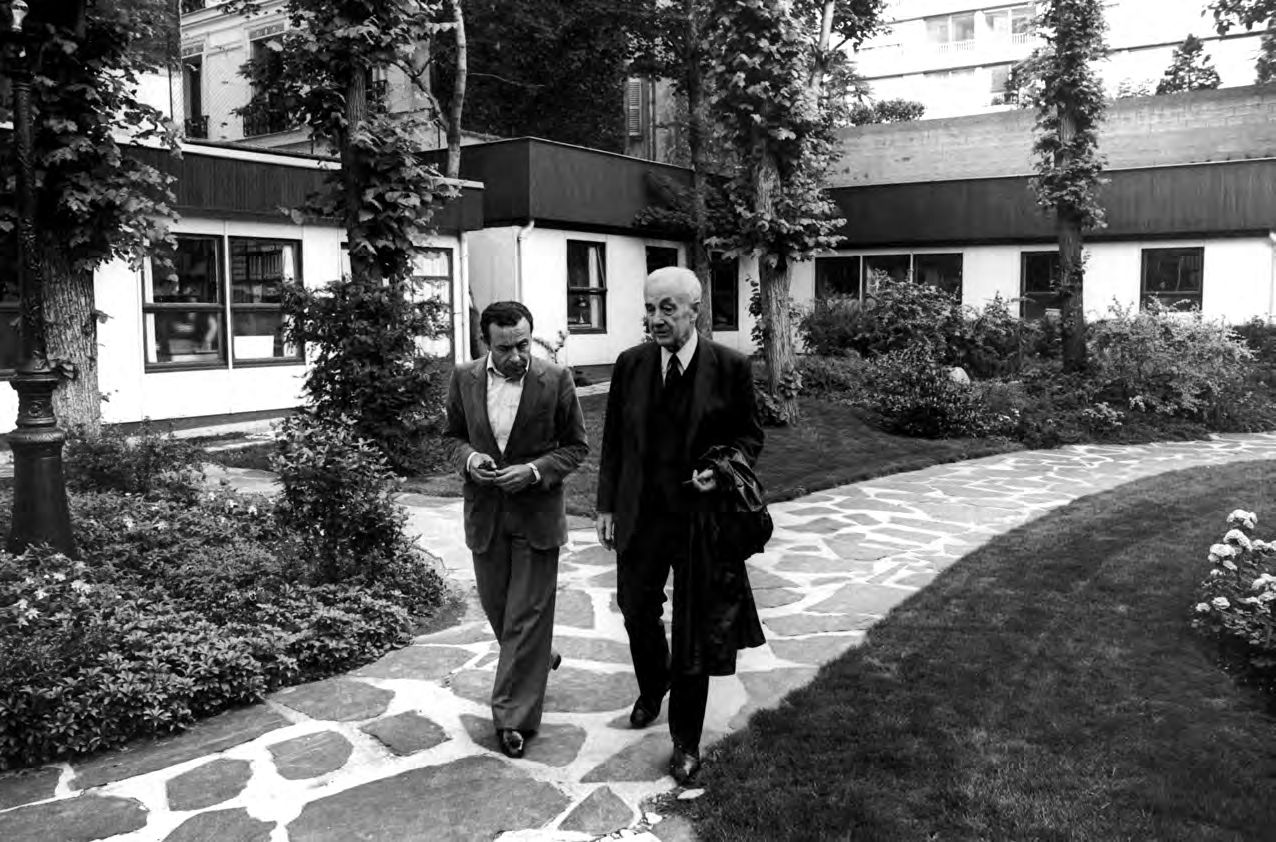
(670, 401)
(518, 432)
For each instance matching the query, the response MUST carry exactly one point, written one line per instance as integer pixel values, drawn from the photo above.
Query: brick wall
(1222, 125)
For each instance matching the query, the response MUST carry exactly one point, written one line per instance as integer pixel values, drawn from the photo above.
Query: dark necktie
(673, 374)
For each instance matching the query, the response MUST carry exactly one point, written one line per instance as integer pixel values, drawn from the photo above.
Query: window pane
(260, 336)
(173, 336)
(937, 30)
(260, 268)
(939, 270)
(585, 310)
(1039, 284)
(894, 265)
(963, 27)
(435, 263)
(658, 257)
(724, 294)
(194, 276)
(10, 339)
(1175, 276)
(586, 264)
(837, 276)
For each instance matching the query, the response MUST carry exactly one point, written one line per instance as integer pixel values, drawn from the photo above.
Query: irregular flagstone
(206, 737)
(475, 632)
(462, 801)
(600, 813)
(570, 690)
(84, 817)
(212, 783)
(860, 599)
(311, 755)
(593, 554)
(790, 625)
(222, 826)
(775, 597)
(552, 745)
(822, 526)
(421, 663)
(606, 579)
(813, 511)
(591, 649)
(767, 688)
(645, 760)
(821, 564)
(406, 733)
(815, 650)
(28, 785)
(760, 578)
(336, 699)
(574, 608)
(856, 548)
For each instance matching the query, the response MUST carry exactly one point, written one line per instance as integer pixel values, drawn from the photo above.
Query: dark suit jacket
(548, 432)
(723, 412)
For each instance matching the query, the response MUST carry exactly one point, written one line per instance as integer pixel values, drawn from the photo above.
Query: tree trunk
(71, 333)
(1071, 286)
(458, 96)
(694, 84)
(363, 265)
(773, 287)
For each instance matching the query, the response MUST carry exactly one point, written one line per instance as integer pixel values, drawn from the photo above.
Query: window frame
(1037, 297)
(232, 308)
(152, 307)
(921, 257)
(1184, 251)
(859, 275)
(599, 292)
(648, 249)
(717, 263)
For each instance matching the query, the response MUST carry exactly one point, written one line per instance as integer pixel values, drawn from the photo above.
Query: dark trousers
(516, 587)
(660, 543)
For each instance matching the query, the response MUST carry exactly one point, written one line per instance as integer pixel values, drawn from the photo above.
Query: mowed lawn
(832, 446)
(1046, 687)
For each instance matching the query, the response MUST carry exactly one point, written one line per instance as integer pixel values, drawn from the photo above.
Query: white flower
(1263, 581)
(1221, 603)
(1222, 551)
(1202, 608)
(1238, 538)
(252, 510)
(128, 523)
(1229, 564)
(58, 576)
(41, 593)
(1240, 517)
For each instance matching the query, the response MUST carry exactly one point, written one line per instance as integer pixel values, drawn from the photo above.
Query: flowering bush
(146, 462)
(1235, 602)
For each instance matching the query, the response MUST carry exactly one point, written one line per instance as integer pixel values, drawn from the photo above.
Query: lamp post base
(40, 511)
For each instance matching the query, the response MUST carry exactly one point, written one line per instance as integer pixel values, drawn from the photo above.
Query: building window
(1039, 284)
(183, 309)
(259, 269)
(586, 286)
(837, 276)
(952, 33)
(724, 292)
(658, 257)
(196, 121)
(895, 266)
(266, 112)
(1014, 24)
(633, 107)
(432, 278)
(939, 270)
(1175, 277)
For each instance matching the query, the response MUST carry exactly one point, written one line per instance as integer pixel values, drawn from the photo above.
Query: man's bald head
(672, 297)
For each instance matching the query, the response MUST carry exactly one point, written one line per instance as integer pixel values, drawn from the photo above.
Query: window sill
(271, 363)
(161, 368)
(585, 330)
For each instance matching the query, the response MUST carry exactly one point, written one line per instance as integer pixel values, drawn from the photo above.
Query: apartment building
(954, 56)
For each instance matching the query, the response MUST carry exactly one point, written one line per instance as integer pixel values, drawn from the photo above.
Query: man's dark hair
(505, 314)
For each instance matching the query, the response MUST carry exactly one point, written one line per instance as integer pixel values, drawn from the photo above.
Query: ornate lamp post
(40, 514)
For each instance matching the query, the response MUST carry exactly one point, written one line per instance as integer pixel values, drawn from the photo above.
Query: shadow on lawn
(1046, 687)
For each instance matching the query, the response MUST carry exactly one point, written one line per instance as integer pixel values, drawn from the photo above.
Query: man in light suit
(518, 432)
(670, 401)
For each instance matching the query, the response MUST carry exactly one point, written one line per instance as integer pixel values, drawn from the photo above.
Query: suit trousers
(516, 587)
(661, 542)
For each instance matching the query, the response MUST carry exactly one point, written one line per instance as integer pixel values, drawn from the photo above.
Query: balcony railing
(265, 121)
(197, 127)
(951, 47)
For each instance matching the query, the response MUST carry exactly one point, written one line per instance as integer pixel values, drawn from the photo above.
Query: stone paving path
(402, 749)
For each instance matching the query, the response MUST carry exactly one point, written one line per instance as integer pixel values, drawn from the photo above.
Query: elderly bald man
(670, 401)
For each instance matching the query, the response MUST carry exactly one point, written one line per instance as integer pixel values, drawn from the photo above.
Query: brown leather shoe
(511, 742)
(684, 765)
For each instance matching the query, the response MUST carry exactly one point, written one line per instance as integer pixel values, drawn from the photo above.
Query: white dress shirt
(503, 397)
(685, 353)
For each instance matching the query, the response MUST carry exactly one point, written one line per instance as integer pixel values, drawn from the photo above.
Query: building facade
(954, 56)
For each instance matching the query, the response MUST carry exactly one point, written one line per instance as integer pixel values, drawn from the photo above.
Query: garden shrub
(914, 394)
(894, 315)
(147, 462)
(831, 326)
(832, 378)
(1235, 600)
(987, 342)
(367, 363)
(1169, 363)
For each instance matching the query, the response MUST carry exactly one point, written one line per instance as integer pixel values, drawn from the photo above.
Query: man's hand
(605, 526)
(483, 469)
(704, 481)
(514, 478)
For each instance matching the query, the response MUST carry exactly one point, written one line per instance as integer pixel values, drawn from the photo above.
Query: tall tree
(770, 95)
(97, 200)
(1190, 69)
(1247, 13)
(1265, 65)
(1070, 106)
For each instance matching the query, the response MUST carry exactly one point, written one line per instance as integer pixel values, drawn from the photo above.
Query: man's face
(511, 348)
(671, 314)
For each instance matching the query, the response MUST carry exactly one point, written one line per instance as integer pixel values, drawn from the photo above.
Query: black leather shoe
(644, 713)
(511, 742)
(684, 765)
(556, 662)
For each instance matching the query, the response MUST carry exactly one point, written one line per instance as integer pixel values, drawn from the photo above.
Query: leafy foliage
(367, 367)
(913, 394)
(1248, 13)
(897, 110)
(146, 462)
(1265, 64)
(1190, 69)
